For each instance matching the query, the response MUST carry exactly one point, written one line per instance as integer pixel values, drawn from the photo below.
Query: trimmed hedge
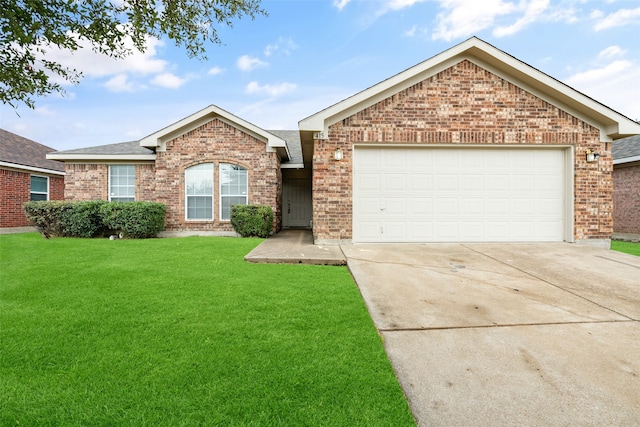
(137, 220)
(96, 218)
(252, 220)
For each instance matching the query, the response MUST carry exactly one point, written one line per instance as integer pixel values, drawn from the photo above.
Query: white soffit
(612, 124)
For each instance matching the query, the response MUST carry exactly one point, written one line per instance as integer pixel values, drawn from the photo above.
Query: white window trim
(39, 192)
(186, 196)
(246, 196)
(109, 179)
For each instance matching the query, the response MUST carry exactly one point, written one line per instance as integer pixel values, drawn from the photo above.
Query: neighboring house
(626, 185)
(470, 145)
(25, 174)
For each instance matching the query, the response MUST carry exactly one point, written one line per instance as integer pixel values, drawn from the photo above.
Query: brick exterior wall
(464, 104)
(214, 142)
(16, 191)
(626, 198)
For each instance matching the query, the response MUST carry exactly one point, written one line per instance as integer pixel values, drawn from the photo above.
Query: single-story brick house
(469, 145)
(626, 185)
(26, 174)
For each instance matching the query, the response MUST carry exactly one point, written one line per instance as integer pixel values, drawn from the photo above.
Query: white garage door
(458, 194)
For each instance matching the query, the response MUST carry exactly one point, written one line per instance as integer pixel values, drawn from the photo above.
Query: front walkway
(295, 247)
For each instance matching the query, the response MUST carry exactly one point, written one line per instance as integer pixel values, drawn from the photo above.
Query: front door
(297, 203)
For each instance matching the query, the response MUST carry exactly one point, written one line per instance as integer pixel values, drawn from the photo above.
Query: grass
(627, 247)
(182, 332)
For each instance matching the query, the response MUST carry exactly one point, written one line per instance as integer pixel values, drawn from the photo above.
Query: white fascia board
(102, 157)
(31, 168)
(189, 123)
(626, 160)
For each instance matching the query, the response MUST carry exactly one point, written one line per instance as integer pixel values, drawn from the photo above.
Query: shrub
(83, 219)
(137, 220)
(47, 217)
(252, 220)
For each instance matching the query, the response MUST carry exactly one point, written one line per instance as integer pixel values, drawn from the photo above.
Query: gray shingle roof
(292, 138)
(25, 152)
(122, 148)
(626, 147)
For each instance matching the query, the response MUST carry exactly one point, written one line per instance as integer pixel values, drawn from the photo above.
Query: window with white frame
(199, 192)
(39, 189)
(122, 183)
(233, 188)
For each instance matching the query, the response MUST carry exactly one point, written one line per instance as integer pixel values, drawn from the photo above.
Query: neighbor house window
(122, 183)
(199, 192)
(39, 188)
(233, 188)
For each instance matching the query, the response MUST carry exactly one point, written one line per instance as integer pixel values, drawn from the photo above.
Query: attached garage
(470, 194)
(471, 145)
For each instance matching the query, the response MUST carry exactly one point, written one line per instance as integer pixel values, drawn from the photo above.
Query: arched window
(199, 192)
(233, 188)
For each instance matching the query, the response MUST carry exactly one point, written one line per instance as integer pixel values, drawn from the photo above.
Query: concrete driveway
(508, 334)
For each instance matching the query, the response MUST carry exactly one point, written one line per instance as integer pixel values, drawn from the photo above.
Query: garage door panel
(370, 182)
(394, 159)
(469, 183)
(446, 206)
(420, 206)
(420, 231)
(420, 182)
(394, 182)
(420, 159)
(458, 194)
(497, 183)
(473, 207)
(394, 206)
(446, 182)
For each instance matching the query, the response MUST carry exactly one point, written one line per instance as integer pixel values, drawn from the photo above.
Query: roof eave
(612, 124)
(31, 168)
(197, 119)
(101, 157)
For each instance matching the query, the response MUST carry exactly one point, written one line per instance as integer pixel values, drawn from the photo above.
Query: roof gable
(158, 140)
(19, 152)
(612, 125)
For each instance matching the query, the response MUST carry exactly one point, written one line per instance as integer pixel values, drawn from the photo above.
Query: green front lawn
(627, 247)
(170, 332)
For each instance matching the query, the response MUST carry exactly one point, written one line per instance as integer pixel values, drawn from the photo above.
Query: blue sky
(309, 54)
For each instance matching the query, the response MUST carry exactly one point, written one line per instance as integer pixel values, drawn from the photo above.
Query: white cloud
(416, 31)
(248, 63)
(612, 52)
(401, 4)
(119, 83)
(271, 90)
(595, 75)
(216, 71)
(45, 111)
(340, 4)
(284, 45)
(168, 80)
(613, 85)
(532, 13)
(94, 64)
(462, 18)
(619, 18)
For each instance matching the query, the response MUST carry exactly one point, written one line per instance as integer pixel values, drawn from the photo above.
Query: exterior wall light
(337, 154)
(592, 157)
